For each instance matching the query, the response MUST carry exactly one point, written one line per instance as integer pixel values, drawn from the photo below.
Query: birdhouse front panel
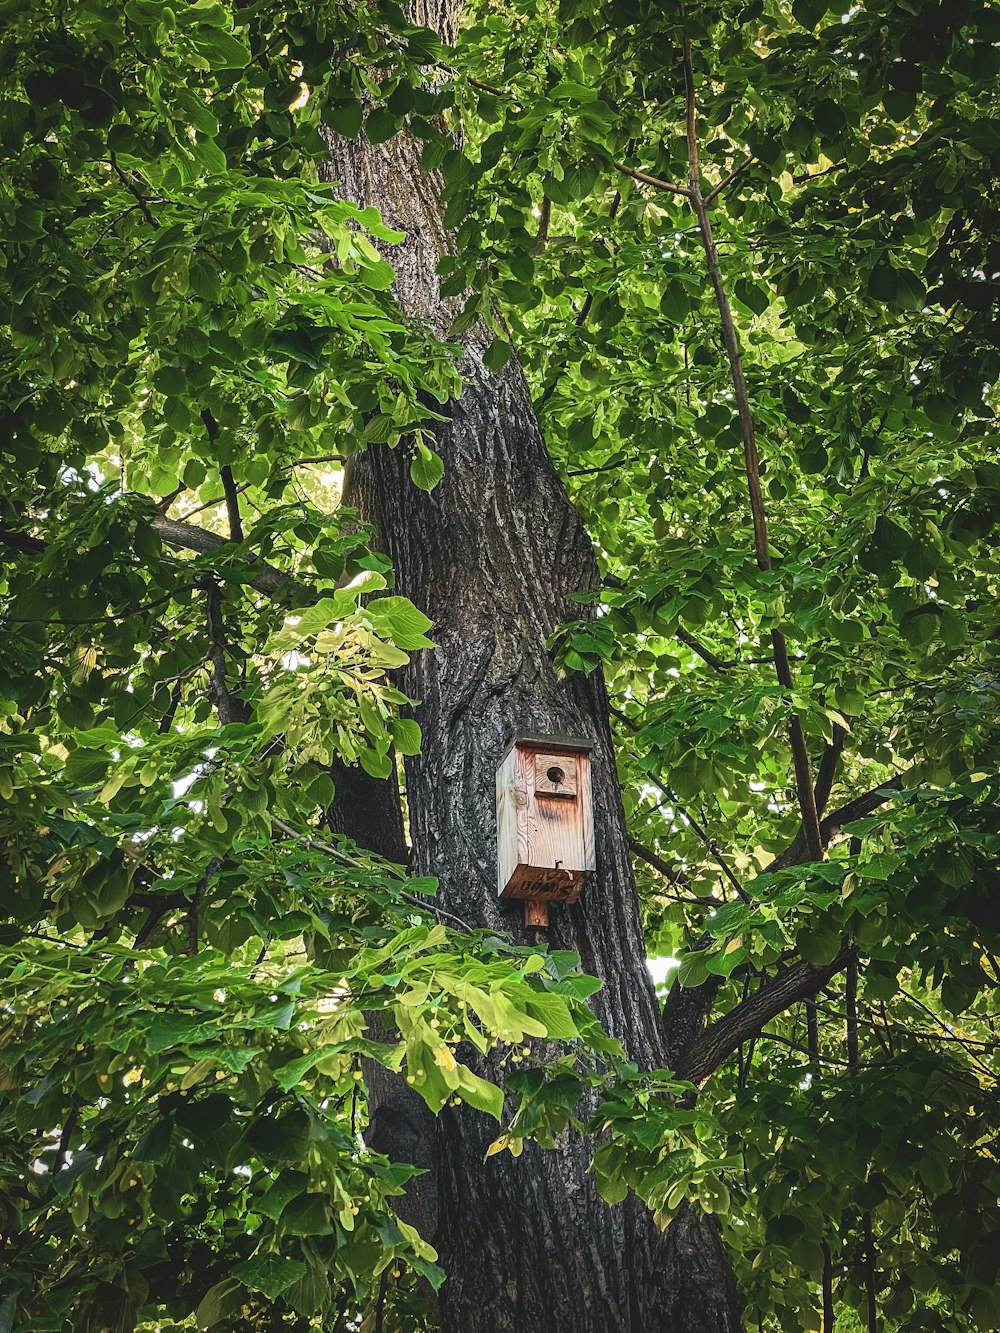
(545, 819)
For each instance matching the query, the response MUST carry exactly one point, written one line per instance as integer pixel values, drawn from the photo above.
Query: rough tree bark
(491, 556)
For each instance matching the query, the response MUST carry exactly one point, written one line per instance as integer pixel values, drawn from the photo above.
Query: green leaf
(221, 50)
(218, 1302)
(480, 1094)
(552, 1010)
(755, 296)
(496, 356)
(406, 624)
(405, 735)
(898, 288)
(345, 118)
(269, 1273)
(381, 125)
(204, 278)
(426, 467)
(693, 970)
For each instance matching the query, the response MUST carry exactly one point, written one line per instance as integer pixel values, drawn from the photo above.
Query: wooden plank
(555, 885)
(536, 913)
(507, 818)
(545, 826)
(556, 775)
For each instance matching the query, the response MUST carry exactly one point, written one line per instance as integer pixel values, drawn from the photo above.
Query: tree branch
(544, 219)
(267, 580)
(652, 180)
(720, 1039)
(727, 180)
(195, 904)
(827, 770)
(21, 541)
(706, 654)
(62, 1150)
(751, 460)
(228, 706)
(666, 870)
(229, 487)
(232, 503)
(141, 200)
(857, 808)
(651, 859)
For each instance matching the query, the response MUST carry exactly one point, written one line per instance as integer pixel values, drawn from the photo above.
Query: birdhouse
(545, 823)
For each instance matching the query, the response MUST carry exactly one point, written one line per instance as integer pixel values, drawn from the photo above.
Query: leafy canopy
(197, 328)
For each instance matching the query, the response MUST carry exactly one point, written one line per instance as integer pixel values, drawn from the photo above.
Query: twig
(706, 654)
(815, 175)
(590, 471)
(545, 217)
(870, 1273)
(696, 828)
(851, 1005)
(488, 88)
(802, 1050)
(952, 1034)
(727, 180)
(335, 852)
(133, 609)
(380, 1304)
(646, 179)
(62, 1151)
(164, 505)
(193, 909)
(321, 458)
(579, 321)
(140, 199)
(657, 862)
(812, 1041)
(167, 720)
(210, 504)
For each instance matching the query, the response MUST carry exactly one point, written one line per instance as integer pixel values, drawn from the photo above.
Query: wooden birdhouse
(545, 823)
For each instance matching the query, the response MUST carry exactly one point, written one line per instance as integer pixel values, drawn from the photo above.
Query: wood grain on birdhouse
(545, 821)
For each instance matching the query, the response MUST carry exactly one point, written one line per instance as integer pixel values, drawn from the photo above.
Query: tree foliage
(199, 330)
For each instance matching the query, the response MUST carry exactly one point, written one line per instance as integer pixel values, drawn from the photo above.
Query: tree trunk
(491, 556)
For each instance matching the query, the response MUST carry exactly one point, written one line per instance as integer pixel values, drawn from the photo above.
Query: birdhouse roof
(560, 744)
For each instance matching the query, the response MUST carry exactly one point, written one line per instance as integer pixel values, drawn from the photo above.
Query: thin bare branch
(141, 200)
(751, 460)
(697, 828)
(727, 180)
(646, 179)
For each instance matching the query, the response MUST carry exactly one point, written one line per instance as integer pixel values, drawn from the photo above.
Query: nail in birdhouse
(545, 822)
